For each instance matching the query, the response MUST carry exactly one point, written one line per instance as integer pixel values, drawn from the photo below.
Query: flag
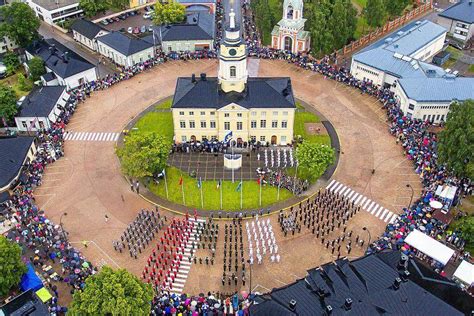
(278, 177)
(180, 181)
(228, 137)
(219, 184)
(199, 183)
(259, 180)
(162, 174)
(239, 187)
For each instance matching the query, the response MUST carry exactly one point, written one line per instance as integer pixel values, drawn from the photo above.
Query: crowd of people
(44, 243)
(234, 265)
(140, 233)
(263, 237)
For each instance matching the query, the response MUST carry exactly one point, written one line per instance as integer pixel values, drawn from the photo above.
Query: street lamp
(412, 193)
(250, 280)
(368, 232)
(61, 224)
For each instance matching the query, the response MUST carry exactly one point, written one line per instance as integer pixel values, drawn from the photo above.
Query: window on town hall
(192, 124)
(233, 72)
(253, 124)
(289, 12)
(182, 124)
(263, 124)
(274, 124)
(226, 114)
(284, 124)
(227, 126)
(203, 124)
(239, 126)
(213, 124)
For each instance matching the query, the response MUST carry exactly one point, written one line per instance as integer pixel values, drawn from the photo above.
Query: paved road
(49, 32)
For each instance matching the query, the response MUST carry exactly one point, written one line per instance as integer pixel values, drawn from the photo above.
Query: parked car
(116, 19)
(147, 15)
(150, 28)
(143, 29)
(122, 16)
(3, 70)
(104, 22)
(136, 30)
(110, 21)
(122, 30)
(130, 30)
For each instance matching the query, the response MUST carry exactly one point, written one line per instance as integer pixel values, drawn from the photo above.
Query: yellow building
(137, 3)
(249, 109)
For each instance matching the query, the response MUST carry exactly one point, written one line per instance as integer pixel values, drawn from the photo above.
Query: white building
(429, 99)
(86, 33)
(41, 107)
(53, 11)
(252, 109)
(389, 59)
(64, 66)
(124, 50)
(7, 45)
(289, 34)
(459, 20)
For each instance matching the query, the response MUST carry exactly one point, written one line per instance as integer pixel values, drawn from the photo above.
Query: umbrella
(85, 264)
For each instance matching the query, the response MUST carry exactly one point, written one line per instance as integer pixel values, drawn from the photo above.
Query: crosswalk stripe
(103, 137)
(68, 135)
(90, 136)
(366, 203)
(100, 137)
(344, 192)
(339, 187)
(388, 215)
(394, 217)
(108, 137)
(111, 137)
(116, 137)
(382, 215)
(184, 276)
(374, 210)
(96, 136)
(355, 197)
(86, 134)
(379, 211)
(73, 136)
(370, 207)
(351, 194)
(330, 184)
(176, 280)
(361, 199)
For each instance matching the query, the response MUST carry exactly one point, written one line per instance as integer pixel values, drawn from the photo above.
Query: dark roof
(54, 4)
(367, 281)
(27, 303)
(13, 151)
(461, 11)
(86, 28)
(124, 44)
(63, 61)
(41, 101)
(199, 26)
(259, 93)
(49, 76)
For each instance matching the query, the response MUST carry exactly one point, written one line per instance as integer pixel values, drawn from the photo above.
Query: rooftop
(462, 11)
(199, 26)
(61, 60)
(259, 93)
(364, 286)
(13, 154)
(444, 89)
(86, 28)
(124, 44)
(41, 101)
(54, 4)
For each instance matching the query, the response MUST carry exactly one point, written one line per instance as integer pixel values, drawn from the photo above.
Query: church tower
(232, 58)
(289, 34)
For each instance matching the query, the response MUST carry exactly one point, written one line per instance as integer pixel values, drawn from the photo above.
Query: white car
(130, 30)
(148, 15)
(3, 70)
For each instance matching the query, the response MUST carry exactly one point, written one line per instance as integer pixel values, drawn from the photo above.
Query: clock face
(232, 52)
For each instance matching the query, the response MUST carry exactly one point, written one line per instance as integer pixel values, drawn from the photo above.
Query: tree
(20, 23)
(119, 4)
(314, 158)
(466, 226)
(36, 67)
(112, 292)
(8, 108)
(143, 155)
(456, 141)
(395, 7)
(169, 13)
(92, 7)
(374, 13)
(11, 266)
(11, 61)
(23, 83)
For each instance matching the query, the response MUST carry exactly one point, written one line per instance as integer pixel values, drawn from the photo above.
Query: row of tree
(378, 11)
(93, 7)
(19, 24)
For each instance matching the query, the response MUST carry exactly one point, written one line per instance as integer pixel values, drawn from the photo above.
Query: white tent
(429, 246)
(465, 273)
(447, 192)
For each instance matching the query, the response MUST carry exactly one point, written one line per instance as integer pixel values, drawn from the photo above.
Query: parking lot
(123, 24)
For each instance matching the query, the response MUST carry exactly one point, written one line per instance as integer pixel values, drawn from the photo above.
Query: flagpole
(166, 184)
(294, 182)
(260, 199)
(220, 187)
(200, 185)
(182, 191)
(279, 182)
(232, 147)
(241, 191)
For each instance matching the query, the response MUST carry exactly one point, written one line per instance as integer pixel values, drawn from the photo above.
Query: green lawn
(360, 3)
(158, 122)
(211, 195)
(165, 105)
(12, 81)
(302, 117)
(471, 68)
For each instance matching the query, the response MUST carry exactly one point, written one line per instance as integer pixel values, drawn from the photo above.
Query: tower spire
(232, 18)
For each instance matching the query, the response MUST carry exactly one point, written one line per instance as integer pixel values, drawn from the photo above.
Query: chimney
(329, 309)
(203, 77)
(396, 283)
(402, 264)
(404, 275)
(193, 78)
(292, 305)
(66, 56)
(348, 304)
(321, 294)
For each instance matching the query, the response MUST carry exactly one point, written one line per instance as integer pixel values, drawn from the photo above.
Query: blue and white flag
(199, 183)
(228, 137)
(239, 187)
